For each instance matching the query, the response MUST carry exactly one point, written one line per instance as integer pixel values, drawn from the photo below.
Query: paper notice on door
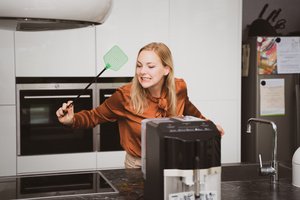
(288, 55)
(272, 97)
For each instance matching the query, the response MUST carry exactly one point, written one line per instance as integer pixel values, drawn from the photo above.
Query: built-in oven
(51, 146)
(108, 137)
(108, 134)
(38, 129)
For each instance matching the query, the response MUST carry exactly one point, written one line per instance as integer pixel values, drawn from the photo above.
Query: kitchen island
(238, 182)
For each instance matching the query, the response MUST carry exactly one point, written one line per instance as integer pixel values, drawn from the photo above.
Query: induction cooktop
(62, 184)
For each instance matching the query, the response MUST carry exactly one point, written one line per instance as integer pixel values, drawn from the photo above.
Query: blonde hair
(139, 94)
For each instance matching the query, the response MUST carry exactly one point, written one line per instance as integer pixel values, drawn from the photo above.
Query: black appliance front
(109, 132)
(178, 144)
(39, 129)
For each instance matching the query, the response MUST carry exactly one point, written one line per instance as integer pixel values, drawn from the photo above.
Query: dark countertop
(129, 183)
(248, 186)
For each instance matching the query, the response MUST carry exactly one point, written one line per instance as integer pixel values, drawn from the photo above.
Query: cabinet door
(8, 152)
(131, 25)
(205, 39)
(55, 53)
(7, 68)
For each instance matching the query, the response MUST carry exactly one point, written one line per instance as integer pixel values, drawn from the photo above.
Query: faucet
(273, 168)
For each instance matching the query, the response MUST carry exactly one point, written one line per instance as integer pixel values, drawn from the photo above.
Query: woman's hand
(220, 129)
(65, 113)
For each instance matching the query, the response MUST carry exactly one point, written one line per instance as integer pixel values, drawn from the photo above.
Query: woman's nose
(142, 70)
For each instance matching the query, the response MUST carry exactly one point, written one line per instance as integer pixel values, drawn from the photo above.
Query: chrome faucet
(273, 168)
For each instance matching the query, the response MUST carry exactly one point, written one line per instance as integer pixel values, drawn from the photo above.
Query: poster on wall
(278, 55)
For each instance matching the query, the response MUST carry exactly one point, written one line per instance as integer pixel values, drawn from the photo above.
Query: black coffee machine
(181, 159)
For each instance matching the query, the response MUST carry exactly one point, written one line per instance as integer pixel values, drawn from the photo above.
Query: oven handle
(107, 95)
(56, 97)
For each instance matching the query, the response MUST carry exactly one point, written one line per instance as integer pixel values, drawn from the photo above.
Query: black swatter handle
(82, 92)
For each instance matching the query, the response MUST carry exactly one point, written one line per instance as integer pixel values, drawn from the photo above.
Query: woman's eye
(151, 66)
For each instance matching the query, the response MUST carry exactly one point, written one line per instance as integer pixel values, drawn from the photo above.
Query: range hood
(39, 15)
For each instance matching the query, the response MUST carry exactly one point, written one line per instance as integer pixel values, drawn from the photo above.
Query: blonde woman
(154, 92)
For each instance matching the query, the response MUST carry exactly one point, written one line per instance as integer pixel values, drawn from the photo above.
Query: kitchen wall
(205, 39)
(204, 36)
(289, 12)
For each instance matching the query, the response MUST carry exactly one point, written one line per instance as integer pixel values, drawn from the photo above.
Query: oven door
(108, 135)
(39, 131)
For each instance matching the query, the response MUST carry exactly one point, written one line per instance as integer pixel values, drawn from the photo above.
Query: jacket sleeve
(110, 110)
(189, 107)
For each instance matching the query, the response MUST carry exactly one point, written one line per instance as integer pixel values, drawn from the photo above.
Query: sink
(250, 172)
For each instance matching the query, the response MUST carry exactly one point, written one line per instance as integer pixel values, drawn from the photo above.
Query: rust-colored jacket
(118, 107)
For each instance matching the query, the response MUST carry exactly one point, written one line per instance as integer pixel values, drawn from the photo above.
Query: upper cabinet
(58, 53)
(206, 44)
(131, 25)
(205, 38)
(7, 68)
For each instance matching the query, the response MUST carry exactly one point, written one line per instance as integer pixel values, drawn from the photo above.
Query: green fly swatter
(114, 59)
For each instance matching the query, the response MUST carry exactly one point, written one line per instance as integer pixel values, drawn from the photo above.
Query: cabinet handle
(56, 97)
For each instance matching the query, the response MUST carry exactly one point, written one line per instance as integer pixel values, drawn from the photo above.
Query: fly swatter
(114, 59)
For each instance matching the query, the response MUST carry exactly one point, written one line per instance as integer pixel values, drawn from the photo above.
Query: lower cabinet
(112, 159)
(8, 140)
(70, 162)
(56, 163)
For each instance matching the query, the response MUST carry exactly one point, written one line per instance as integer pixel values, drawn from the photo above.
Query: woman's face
(150, 72)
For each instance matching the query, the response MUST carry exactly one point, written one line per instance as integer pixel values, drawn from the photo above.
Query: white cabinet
(7, 68)
(7, 105)
(37, 164)
(59, 53)
(8, 139)
(131, 25)
(205, 38)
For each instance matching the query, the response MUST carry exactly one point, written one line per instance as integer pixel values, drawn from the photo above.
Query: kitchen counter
(249, 187)
(238, 182)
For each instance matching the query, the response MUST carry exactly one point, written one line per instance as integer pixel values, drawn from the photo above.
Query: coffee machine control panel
(186, 124)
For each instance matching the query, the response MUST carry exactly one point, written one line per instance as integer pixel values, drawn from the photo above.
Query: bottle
(296, 168)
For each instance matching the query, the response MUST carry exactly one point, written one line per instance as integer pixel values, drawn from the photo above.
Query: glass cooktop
(62, 184)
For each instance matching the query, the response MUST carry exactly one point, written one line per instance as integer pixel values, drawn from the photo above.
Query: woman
(154, 92)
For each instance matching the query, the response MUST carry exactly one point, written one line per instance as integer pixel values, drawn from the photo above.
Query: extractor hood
(38, 15)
